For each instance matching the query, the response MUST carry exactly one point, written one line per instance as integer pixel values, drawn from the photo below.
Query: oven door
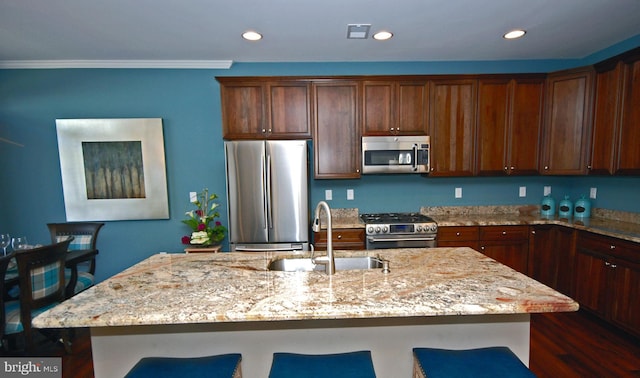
(400, 241)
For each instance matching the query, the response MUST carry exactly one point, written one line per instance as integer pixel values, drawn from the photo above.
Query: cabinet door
(513, 254)
(566, 129)
(606, 120)
(591, 280)
(625, 306)
(412, 108)
(452, 127)
(493, 113)
(629, 153)
(243, 107)
(378, 114)
(336, 142)
(551, 256)
(289, 110)
(525, 129)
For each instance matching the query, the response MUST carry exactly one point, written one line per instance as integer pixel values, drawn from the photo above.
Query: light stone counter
(237, 287)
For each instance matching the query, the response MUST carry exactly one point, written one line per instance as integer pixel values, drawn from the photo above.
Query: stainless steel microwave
(395, 154)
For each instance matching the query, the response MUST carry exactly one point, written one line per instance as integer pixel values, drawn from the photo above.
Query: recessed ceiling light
(252, 36)
(382, 35)
(514, 34)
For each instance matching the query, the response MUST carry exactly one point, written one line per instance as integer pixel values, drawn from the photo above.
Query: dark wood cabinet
(567, 122)
(336, 132)
(452, 113)
(628, 162)
(395, 107)
(508, 245)
(459, 236)
(342, 238)
(259, 109)
(551, 251)
(509, 125)
(607, 279)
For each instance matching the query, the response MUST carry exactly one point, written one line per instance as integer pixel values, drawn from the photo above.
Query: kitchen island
(200, 304)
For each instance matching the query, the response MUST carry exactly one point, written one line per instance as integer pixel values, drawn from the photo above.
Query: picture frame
(113, 169)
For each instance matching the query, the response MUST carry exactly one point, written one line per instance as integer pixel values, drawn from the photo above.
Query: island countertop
(238, 287)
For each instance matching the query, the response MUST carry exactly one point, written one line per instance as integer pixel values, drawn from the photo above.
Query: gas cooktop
(390, 218)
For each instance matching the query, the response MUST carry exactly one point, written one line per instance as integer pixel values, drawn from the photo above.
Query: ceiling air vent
(358, 31)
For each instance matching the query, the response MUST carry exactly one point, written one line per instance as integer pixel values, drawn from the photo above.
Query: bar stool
(220, 366)
(477, 363)
(342, 365)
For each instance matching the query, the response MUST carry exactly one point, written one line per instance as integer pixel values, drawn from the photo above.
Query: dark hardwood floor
(562, 345)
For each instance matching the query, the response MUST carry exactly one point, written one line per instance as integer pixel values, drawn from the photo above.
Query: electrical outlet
(458, 193)
(523, 191)
(547, 190)
(593, 192)
(328, 194)
(350, 194)
(193, 197)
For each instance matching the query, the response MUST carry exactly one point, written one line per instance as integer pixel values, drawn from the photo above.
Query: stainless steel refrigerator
(267, 185)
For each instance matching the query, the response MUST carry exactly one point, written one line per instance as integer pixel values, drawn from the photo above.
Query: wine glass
(5, 240)
(19, 243)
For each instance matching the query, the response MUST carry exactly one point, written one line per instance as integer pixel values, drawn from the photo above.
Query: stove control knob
(434, 228)
(419, 228)
(385, 229)
(370, 230)
(378, 229)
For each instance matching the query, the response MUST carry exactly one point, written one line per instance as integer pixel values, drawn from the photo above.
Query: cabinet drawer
(504, 232)
(609, 246)
(342, 238)
(458, 233)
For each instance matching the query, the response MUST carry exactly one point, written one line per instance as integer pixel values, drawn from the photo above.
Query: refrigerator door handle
(265, 221)
(268, 204)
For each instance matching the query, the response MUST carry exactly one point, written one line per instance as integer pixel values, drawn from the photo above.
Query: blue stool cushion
(484, 362)
(221, 366)
(341, 365)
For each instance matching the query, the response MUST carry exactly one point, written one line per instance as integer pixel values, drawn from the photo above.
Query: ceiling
(309, 31)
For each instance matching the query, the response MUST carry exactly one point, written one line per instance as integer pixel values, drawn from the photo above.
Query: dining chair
(81, 268)
(4, 266)
(42, 286)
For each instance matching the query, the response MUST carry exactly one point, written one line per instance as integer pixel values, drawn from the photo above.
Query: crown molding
(49, 64)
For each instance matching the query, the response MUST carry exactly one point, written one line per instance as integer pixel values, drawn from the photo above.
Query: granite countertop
(618, 224)
(237, 287)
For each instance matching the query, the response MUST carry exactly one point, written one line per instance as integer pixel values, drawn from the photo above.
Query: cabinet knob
(512, 167)
(533, 232)
(269, 131)
(504, 232)
(612, 247)
(457, 233)
(432, 169)
(264, 131)
(506, 168)
(546, 167)
(357, 171)
(614, 266)
(589, 167)
(482, 248)
(392, 129)
(339, 236)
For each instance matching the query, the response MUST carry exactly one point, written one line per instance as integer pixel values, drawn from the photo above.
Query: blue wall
(188, 101)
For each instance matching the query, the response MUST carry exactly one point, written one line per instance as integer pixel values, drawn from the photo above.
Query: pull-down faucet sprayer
(328, 261)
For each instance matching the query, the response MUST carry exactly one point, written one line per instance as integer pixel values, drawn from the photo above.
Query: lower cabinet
(551, 251)
(342, 238)
(508, 245)
(607, 279)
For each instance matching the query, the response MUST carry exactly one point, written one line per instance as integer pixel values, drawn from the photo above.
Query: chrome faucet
(328, 261)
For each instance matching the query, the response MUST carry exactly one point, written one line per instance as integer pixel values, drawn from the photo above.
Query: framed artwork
(113, 169)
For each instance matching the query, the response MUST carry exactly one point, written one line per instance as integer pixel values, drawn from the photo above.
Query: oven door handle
(373, 239)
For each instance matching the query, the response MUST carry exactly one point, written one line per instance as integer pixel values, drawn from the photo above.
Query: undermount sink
(342, 263)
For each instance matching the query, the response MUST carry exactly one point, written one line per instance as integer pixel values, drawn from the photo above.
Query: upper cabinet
(509, 125)
(395, 107)
(567, 122)
(616, 116)
(452, 108)
(265, 108)
(336, 136)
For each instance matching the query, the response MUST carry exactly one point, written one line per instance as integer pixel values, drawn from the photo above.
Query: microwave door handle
(415, 157)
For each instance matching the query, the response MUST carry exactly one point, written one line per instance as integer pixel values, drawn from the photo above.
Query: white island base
(390, 340)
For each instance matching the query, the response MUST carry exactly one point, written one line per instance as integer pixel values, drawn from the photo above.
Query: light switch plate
(350, 194)
(328, 194)
(547, 191)
(523, 191)
(193, 197)
(458, 193)
(593, 192)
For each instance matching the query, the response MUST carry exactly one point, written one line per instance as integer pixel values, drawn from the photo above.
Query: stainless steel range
(399, 230)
